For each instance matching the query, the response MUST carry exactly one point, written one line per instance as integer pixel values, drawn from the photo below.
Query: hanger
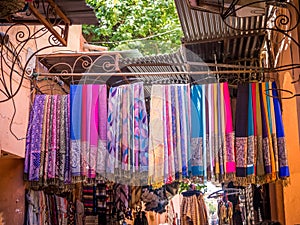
(221, 192)
(292, 95)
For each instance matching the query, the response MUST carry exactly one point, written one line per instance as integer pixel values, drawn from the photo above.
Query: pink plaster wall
(12, 191)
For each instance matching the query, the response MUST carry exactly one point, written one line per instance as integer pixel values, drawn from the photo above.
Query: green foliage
(121, 21)
(186, 185)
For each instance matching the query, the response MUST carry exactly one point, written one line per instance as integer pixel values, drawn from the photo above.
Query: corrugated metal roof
(204, 26)
(76, 10)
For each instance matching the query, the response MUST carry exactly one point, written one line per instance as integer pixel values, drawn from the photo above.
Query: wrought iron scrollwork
(13, 48)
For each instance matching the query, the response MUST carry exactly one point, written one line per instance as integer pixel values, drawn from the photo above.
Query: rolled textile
(230, 164)
(282, 152)
(241, 132)
(75, 128)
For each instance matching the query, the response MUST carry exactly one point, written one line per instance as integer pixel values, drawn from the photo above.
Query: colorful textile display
(193, 210)
(169, 133)
(47, 149)
(258, 127)
(50, 209)
(88, 108)
(212, 134)
(127, 133)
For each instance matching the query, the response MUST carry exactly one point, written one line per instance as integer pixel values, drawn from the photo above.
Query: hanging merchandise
(169, 133)
(193, 209)
(260, 144)
(47, 157)
(51, 209)
(127, 133)
(88, 109)
(212, 135)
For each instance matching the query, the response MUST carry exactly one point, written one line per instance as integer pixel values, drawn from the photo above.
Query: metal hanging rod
(154, 73)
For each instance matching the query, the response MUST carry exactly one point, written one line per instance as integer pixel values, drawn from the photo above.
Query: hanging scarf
(175, 141)
(260, 170)
(85, 110)
(61, 153)
(269, 146)
(185, 124)
(141, 130)
(216, 132)
(229, 136)
(75, 124)
(36, 137)
(197, 108)
(250, 140)
(44, 140)
(113, 112)
(241, 133)
(282, 152)
(221, 130)
(272, 121)
(94, 124)
(67, 173)
(211, 127)
(266, 142)
(101, 155)
(156, 137)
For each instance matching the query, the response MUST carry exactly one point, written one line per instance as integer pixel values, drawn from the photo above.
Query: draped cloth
(127, 133)
(34, 139)
(282, 152)
(75, 127)
(230, 165)
(197, 131)
(169, 133)
(241, 132)
(250, 140)
(88, 106)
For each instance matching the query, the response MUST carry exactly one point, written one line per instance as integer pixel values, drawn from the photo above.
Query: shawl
(197, 167)
(211, 127)
(67, 174)
(216, 133)
(61, 153)
(53, 145)
(175, 141)
(127, 131)
(94, 124)
(260, 170)
(44, 140)
(36, 137)
(221, 129)
(204, 138)
(141, 133)
(269, 147)
(156, 137)
(47, 137)
(185, 124)
(113, 111)
(250, 140)
(282, 152)
(102, 129)
(229, 136)
(84, 131)
(75, 127)
(169, 154)
(241, 132)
